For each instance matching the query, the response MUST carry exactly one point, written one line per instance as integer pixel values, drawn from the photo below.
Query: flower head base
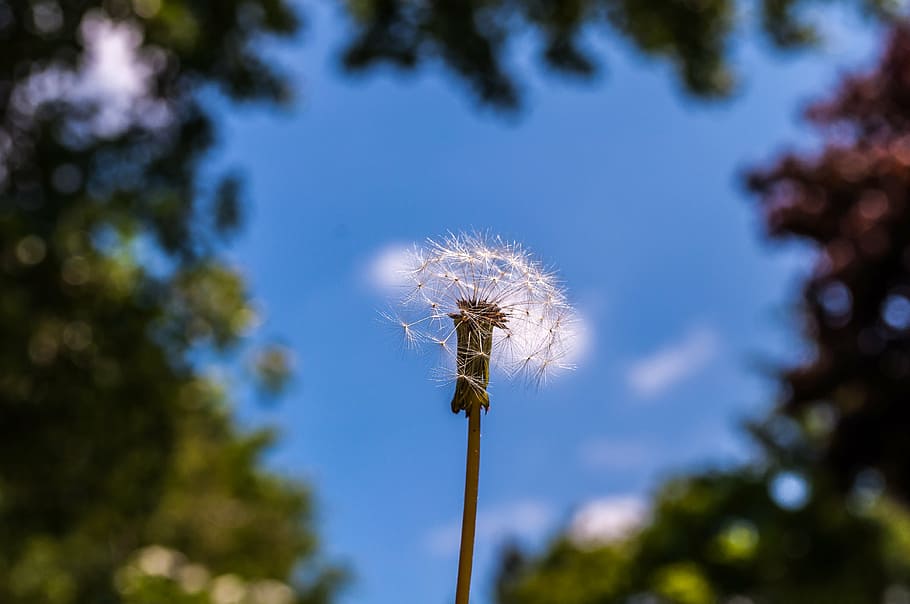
(482, 300)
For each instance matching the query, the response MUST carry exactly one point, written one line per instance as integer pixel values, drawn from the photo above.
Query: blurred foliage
(851, 200)
(113, 444)
(823, 517)
(723, 537)
(474, 38)
(160, 575)
(272, 367)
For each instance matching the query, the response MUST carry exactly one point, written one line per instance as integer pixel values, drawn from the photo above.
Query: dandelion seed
(513, 311)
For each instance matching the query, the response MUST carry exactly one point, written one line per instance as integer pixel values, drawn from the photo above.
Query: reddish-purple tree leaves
(851, 200)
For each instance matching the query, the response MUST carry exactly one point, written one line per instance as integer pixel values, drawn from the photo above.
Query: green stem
(469, 520)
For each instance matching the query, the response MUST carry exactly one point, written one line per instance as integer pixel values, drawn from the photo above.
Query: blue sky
(626, 187)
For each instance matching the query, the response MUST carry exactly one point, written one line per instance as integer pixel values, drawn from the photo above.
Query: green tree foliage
(722, 537)
(473, 38)
(111, 439)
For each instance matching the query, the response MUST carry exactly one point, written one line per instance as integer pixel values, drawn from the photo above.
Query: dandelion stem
(469, 520)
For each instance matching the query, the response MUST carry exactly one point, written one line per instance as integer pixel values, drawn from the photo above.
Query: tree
(112, 439)
(728, 537)
(851, 201)
(840, 430)
(473, 38)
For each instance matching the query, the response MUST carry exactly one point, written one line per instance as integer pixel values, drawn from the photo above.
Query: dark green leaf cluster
(722, 537)
(112, 439)
(473, 38)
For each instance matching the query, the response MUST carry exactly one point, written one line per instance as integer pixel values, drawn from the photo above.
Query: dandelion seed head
(484, 280)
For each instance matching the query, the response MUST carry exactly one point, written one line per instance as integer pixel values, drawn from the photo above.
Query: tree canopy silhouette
(851, 201)
(776, 530)
(122, 476)
(474, 39)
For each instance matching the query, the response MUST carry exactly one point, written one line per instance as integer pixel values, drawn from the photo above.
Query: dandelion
(483, 302)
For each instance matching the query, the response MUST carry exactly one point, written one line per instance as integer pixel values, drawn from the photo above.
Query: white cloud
(581, 335)
(613, 454)
(524, 518)
(673, 363)
(387, 268)
(608, 519)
